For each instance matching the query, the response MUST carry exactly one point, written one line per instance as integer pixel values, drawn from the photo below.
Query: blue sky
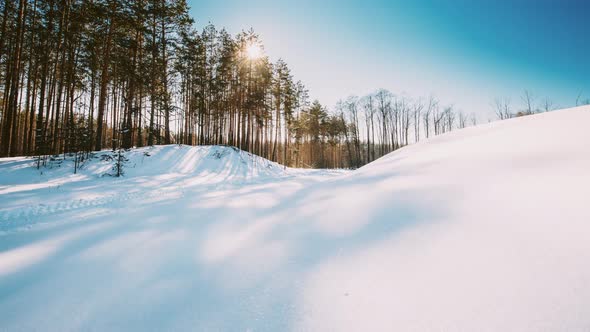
(464, 52)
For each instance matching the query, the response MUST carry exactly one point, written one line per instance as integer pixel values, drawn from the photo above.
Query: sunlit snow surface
(482, 229)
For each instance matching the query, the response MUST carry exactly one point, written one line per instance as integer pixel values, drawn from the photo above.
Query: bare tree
(352, 107)
(448, 119)
(578, 98)
(405, 121)
(502, 108)
(383, 98)
(369, 114)
(547, 105)
(528, 99)
(462, 120)
(580, 101)
(427, 117)
(473, 119)
(418, 107)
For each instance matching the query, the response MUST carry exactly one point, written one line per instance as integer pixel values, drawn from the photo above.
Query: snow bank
(229, 162)
(481, 229)
(27, 192)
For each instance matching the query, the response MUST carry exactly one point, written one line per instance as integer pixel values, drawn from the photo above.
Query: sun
(253, 51)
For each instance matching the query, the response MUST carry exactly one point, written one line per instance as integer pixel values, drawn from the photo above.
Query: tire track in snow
(27, 216)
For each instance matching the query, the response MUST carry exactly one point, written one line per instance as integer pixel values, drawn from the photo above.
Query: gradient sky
(464, 52)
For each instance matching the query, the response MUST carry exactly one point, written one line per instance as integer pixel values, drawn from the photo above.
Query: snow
(481, 229)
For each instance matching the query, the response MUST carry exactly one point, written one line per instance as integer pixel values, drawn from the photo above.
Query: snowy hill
(156, 160)
(481, 229)
(28, 192)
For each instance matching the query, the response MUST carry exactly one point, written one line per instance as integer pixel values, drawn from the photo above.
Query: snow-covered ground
(481, 229)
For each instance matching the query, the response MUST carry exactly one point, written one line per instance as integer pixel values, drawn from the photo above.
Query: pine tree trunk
(104, 80)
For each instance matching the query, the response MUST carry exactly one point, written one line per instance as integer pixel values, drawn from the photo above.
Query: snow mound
(228, 163)
(481, 229)
(28, 194)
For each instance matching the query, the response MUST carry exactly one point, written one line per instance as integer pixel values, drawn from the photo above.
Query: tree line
(85, 75)
(381, 122)
(530, 104)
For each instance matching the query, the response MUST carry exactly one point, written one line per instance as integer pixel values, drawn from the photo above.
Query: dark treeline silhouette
(84, 75)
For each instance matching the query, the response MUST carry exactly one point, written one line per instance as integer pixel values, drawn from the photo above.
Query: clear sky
(464, 52)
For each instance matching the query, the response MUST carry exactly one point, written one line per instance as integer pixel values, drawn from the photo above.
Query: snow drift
(481, 229)
(26, 191)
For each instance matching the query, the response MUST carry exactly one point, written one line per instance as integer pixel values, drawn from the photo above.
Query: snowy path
(481, 229)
